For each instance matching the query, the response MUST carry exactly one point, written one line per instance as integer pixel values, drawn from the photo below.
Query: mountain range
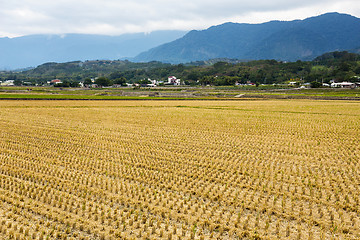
(33, 50)
(279, 40)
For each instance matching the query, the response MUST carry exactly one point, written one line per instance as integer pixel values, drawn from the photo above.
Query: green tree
(116, 75)
(143, 81)
(315, 84)
(87, 81)
(103, 81)
(17, 82)
(207, 80)
(74, 84)
(120, 81)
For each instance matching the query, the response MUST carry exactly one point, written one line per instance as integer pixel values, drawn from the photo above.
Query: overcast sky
(114, 17)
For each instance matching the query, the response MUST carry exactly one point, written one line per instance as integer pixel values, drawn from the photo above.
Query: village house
(55, 81)
(172, 80)
(8, 83)
(343, 85)
(153, 83)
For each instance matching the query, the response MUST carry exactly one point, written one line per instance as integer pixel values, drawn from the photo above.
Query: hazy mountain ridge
(280, 40)
(33, 50)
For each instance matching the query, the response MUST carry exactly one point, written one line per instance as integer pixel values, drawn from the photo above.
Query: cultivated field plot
(180, 169)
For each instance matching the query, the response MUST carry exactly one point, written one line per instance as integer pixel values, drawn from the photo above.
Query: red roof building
(55, 81)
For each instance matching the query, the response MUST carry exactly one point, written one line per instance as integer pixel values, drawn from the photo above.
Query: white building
(173, 80)
(343, 85)
(8, 83)
(153, 82)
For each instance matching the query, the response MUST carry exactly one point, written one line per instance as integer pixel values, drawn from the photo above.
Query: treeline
(339, 66)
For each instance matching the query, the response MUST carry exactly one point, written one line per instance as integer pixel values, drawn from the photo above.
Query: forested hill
(280, 40)
(341, 66)
(78, 70)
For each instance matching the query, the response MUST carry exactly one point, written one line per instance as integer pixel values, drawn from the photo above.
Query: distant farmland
(266, 169)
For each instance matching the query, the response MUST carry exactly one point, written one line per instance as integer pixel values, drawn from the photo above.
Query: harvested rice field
(252, 169)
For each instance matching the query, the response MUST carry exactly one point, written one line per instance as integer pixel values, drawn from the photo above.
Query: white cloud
(22, 17)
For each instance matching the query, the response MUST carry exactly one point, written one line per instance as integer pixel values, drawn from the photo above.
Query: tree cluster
(338, 66)
(67, 84)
